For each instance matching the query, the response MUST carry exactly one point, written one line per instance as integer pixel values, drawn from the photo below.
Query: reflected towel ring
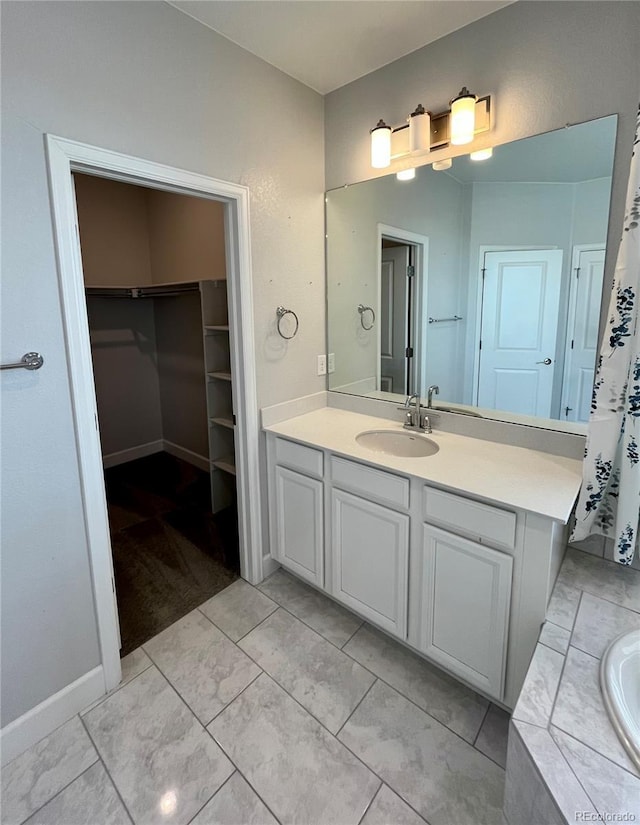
(362, 309)
(281, 312)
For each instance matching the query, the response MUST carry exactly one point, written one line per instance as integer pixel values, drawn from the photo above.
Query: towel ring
(362, 309)
(281, 312)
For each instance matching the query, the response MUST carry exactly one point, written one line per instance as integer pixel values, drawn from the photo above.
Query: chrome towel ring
(281, 312)
(29, 361)
(362, 309)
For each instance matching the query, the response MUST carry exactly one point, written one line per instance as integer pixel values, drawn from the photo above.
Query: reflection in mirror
(484, 280)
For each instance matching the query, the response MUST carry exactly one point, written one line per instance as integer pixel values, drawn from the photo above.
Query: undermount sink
(398, 443)
(620, 683)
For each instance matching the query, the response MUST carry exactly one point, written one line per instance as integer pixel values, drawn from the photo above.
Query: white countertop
(526, 479)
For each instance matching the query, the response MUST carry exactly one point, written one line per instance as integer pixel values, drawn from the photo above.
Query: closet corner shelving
(217, 364)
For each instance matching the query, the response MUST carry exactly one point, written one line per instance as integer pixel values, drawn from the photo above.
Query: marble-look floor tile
(555, 637)
(563, 604)
(611, 789)
(89, 799)
(538, 693)
(444, 698)
(567, 793)
(301, 772)
(236, 803)
(324, 680)
(599, 622)
(492, 739)
(605, 579)
(132, 665)
(42, 771)
(206, 669)
(442, 777)
(156, 752)
(238, 609)
(313, 608)
(388, 809)
(580, 711)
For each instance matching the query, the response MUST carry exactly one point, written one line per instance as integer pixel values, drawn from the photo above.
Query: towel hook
(281, 312)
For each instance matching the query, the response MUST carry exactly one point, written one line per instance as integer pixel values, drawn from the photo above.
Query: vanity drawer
(299, 457)
(379, 485)
(484, 522)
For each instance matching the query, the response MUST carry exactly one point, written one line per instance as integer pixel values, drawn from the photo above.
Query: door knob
(546, 361)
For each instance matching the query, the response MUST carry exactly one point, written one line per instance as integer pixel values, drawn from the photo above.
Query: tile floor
(267, 705)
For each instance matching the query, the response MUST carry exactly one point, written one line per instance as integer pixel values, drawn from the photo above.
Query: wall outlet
(331, 362)
(322, 365)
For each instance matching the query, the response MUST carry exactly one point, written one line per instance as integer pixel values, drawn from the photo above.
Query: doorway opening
(65, 158)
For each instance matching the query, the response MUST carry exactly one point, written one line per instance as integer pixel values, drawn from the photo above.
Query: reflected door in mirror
(394, 317)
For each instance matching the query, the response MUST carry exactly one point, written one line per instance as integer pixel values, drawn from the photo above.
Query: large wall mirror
(484, 279)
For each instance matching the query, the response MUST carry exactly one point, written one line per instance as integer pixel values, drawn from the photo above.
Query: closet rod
(140, 291)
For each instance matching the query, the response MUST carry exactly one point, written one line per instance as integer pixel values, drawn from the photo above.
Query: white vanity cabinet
(370, 543)
(297, 509)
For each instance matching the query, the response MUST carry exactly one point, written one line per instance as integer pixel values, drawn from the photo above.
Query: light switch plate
(322, 365)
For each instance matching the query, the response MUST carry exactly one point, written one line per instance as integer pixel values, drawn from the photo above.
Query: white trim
(132, 453)
(290, 409)
(63, 158)
(421, 245)
(40, 721)
(200, 461)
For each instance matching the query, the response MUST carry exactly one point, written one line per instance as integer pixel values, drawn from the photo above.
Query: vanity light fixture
(463, 117)
(481, 154)
(406, 174)
(441, 165)
(381, 145)
(419, 129)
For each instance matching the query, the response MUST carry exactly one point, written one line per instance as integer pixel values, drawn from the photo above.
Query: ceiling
(328, 43)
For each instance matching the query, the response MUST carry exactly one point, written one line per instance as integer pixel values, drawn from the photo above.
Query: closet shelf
(216, 327)
(222, 376)
(223, 422)
(227, 464)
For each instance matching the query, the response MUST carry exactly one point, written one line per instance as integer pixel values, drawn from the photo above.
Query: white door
(464, 614)
(370, 552)
(582, 334)
(394, 308)
(519, 327)
(298, 517)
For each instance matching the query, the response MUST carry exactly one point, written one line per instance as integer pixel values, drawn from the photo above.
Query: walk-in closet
(155, 279)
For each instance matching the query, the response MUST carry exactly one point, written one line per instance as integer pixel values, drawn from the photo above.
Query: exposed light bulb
(462, 119)
(419, 130)
(481, 154)
(441, 165)
(381, 145)
(406, 174)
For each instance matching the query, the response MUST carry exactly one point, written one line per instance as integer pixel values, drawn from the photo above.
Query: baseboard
(140, 451)
(200, 461)
(42, 720)
(269, 566)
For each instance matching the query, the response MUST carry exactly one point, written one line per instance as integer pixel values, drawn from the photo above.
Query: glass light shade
(419, 130)
(481, 154)
(381, 145)
(462, 119)
(441, 165)
(406, 174)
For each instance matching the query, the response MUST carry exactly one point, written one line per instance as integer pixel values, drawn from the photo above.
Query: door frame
(421, 246)
(63, 158)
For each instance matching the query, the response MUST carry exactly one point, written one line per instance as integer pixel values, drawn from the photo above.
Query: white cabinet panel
(299, 457)
(464, 613)
(384, 487)
(299, 533)
(370, 549)
(482, 522)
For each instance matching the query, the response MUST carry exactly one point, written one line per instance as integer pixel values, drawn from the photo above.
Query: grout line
(237, 696)
(342, 646)
(104, 765)
(215, 793)
(591, 748)
(117, 688)
(57, 793)
(484, 719)
(366, 810)
(364, 696)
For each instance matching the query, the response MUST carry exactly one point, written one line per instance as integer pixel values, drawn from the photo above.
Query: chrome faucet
(415, 419)
(430, 391)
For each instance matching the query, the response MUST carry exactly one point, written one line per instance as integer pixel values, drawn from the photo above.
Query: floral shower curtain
(609, 502)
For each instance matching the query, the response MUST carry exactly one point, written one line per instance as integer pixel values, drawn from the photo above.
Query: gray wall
(545, 63)
(140, 78)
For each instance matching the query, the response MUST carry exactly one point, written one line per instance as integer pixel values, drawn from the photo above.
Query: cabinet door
(464, 614)
(299, 533)
(370, 548)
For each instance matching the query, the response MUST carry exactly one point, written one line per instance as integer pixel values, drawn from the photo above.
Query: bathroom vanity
(455, 554)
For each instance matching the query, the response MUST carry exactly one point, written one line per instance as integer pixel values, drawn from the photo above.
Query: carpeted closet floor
(170, 552)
